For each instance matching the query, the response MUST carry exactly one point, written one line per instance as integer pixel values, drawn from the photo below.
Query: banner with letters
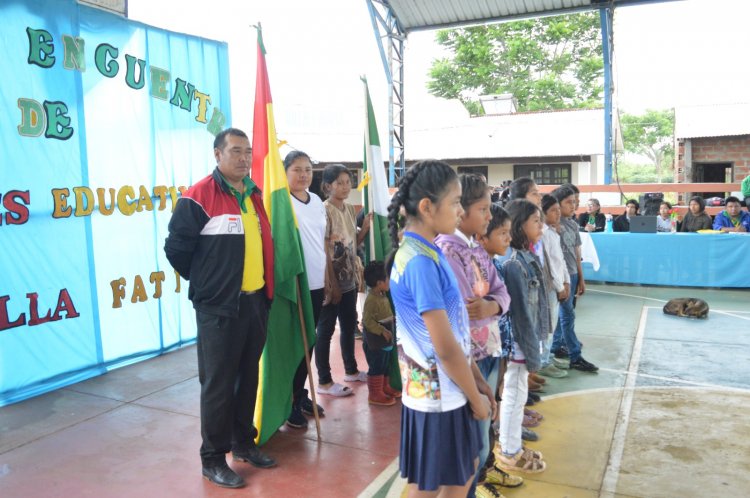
(105, 121)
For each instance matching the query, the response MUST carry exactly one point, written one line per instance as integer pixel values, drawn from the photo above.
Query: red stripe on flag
(260, 116)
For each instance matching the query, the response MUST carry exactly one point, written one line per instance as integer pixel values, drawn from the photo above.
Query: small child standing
(558, 279)
(496, 242)
(377, 319)
(529, 318)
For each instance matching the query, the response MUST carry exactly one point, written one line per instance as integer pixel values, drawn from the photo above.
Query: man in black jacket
(622, 222)
(220, 240)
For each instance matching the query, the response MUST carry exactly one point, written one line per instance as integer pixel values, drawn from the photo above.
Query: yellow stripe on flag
(364, 182)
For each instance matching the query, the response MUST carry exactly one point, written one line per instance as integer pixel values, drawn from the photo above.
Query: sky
(684, 52)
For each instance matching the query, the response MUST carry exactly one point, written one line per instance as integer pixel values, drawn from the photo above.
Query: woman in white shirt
(311, 219)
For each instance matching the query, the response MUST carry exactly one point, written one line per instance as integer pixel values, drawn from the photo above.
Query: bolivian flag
(284, 347)
(376, 201)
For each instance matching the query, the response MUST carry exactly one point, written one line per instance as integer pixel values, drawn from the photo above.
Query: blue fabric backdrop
(96, 108)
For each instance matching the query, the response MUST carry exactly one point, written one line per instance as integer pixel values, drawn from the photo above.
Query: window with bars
(544, 174)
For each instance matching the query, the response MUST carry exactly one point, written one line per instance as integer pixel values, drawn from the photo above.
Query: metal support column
(606, 16)
(386, 27)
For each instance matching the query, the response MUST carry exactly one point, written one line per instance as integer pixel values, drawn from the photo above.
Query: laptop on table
(643, 224)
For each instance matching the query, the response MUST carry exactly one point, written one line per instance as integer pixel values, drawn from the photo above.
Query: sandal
(533, 413)
(529, 421)
(522, 461)
(357, 377)
(335, 389)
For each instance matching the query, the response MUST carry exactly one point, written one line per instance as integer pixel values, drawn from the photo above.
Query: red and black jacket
(206, 245)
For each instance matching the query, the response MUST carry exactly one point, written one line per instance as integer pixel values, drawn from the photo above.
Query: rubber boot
(376, 396)
(388, 390)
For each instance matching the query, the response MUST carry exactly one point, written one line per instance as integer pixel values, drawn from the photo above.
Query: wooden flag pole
(303, 330)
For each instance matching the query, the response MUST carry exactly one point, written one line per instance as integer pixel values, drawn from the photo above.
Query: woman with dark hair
(664, 220)
(696, 217)
(311, 219)
(342, 281)
(525, 188)
(593, 220)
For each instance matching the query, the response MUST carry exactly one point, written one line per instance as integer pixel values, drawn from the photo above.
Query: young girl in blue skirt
(444, 394)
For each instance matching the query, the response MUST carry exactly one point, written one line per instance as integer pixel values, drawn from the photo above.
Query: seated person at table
(622, 222)
(664, 221)
(733, 218)
(696, 217)
(592, 220)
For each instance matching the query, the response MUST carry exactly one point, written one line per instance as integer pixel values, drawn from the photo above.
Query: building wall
(735, 150)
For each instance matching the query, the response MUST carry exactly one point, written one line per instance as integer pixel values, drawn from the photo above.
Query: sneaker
(487, 491)
(296, 419)
(498, 477)
(553, 372)
(583, 365)
(561, 353)
(529, 435)
(561, 363)
(307, 408)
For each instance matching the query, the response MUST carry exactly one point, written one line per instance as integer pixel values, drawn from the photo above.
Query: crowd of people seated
(731, 219)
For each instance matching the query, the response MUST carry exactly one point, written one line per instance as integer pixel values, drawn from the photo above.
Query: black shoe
(562, 353)
(583, 365)
(296, 419)
(535, 397)
(221, 475)
(307, 408)
(255, 457)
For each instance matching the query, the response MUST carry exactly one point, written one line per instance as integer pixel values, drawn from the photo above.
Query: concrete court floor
(664, 417)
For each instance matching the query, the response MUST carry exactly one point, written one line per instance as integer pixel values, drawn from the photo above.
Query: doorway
(712, 173)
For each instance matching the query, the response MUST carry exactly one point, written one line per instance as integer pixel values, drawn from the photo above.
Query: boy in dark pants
(377, 319)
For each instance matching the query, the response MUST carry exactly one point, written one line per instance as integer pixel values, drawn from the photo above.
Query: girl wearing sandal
(444, 395)
(530, 320)
(342, 281)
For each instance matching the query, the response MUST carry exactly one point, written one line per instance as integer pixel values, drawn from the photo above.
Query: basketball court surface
(666, 416)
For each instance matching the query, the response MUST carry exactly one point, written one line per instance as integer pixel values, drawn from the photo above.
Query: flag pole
(303, 331)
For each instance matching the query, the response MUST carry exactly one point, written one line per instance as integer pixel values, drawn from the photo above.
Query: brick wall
(735, 150)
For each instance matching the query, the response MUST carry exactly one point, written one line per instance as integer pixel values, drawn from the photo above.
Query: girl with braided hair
(444, 395)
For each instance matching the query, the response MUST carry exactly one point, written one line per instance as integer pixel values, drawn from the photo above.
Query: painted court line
(716, 387)
(626, 295)
(612, 474)
(381, 480)
(732, 314)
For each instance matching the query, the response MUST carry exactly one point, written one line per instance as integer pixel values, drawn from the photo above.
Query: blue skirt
(439, 449)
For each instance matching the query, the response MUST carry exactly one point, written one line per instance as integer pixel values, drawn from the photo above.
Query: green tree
(546, 63)
(650, 134)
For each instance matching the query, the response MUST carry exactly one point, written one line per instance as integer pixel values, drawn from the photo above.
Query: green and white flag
(376, 201)
(375, 192)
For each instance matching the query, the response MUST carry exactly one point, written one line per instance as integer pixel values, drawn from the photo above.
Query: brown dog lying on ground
(687, 306)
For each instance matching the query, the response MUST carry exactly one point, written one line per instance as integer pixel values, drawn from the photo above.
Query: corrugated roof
(432, 14)
(717, 120)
